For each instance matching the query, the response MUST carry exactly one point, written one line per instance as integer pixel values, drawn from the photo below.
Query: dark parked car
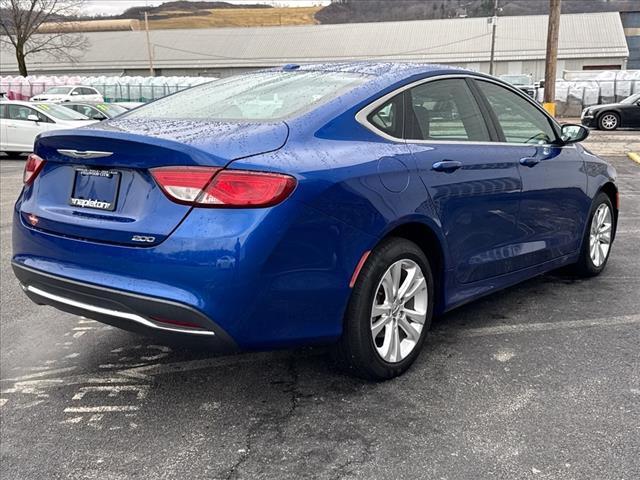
(311, 204)
(96, 110)
(625, 114)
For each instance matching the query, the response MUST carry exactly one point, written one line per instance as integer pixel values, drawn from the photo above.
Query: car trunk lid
(96, 183)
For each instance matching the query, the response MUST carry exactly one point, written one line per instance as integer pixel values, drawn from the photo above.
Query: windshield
(59, 90)
(632, 99)
(257, 96)
(61, 113)
(110, 110)
(517, 79)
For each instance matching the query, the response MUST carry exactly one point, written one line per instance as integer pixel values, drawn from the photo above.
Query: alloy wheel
(600, 235)
(609, 121)
(399, 310)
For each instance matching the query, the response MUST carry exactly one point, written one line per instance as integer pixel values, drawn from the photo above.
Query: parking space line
(540, 327)
(103, 409)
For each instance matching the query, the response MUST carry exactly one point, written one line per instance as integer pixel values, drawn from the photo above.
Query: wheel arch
(433, 247)
(611, 190)
(609, 110)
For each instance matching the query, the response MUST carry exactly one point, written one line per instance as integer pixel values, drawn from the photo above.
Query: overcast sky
(111, 7)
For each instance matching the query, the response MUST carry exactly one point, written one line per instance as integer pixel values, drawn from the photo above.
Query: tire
(358, 351)
(591, 263)
(609, 121)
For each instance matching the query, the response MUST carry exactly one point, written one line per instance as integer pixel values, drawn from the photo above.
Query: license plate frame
(87, 178)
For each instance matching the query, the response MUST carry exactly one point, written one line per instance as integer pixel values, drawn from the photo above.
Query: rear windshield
(59, 90)
(61, 113)
(257, 96)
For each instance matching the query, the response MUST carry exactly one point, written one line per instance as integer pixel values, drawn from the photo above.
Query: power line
(406, 52)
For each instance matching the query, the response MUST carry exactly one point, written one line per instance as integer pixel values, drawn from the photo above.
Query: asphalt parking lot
(540, 381)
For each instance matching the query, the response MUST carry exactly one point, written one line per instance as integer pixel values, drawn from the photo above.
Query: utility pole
(149, 50)
(552, 57)
(494, 23)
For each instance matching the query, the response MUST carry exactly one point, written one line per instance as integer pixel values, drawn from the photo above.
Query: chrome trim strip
(86, 154)
(112, 313)
(361, 116)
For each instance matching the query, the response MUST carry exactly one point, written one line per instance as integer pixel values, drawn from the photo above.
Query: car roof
(391, 70)
(70, 86)
(19, 102)
(90, 103)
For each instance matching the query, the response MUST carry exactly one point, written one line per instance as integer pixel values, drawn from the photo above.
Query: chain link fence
(578, 90)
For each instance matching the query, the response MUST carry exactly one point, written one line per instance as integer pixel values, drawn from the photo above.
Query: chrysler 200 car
(346, 212)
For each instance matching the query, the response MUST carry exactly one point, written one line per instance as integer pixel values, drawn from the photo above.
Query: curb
(634, 156)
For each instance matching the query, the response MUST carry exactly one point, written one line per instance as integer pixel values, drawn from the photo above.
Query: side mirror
(573, 133)
(33, 118)
(98, 116)
(75, 92)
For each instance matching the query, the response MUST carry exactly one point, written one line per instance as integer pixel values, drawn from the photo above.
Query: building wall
(631, 24)
(535, 68)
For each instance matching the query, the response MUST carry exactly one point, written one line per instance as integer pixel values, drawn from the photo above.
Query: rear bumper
(124, 310)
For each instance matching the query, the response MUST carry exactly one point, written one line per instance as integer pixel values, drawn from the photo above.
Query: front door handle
(447, 166)
(529, 161)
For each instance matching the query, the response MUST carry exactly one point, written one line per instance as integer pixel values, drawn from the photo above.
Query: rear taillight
(211, 187)
(183, 184)
(32, 168)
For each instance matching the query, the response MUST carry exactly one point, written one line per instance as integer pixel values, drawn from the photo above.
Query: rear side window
(256, 96)
(444, 110)
(389, 117)
(520, 121)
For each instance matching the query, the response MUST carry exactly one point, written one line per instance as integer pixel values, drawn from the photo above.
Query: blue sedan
(343, 203)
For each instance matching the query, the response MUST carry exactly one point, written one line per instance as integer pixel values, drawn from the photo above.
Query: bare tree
(21, 20)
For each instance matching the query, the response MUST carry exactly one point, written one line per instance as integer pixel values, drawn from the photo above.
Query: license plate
(95, 188)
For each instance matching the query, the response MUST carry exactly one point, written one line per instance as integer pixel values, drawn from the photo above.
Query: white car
(75, 93)
(21, 122)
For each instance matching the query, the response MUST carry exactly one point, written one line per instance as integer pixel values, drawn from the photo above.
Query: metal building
(587, 41)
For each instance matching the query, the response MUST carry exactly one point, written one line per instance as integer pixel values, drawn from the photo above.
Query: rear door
(554, 204)
(474, 184)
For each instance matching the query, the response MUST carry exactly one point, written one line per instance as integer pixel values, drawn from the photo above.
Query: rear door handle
(446, 166)
(529, 161)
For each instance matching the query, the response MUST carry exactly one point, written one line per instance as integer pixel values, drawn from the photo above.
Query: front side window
(520, 121)
(444, 110)
(22, 112)
(256, 96)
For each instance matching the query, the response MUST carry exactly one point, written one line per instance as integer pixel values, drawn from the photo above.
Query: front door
(474, 184)
(22, 132)
(554, 205)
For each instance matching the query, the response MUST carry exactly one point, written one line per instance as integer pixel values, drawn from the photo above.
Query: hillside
(240, 17)
(201, 14)
(356, 11)
(183, 14)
